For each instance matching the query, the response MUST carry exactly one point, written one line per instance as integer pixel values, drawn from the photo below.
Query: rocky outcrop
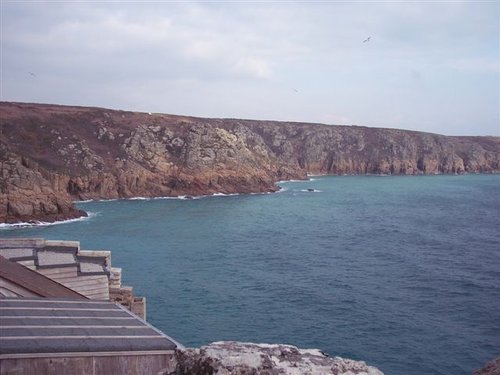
(51, 155)
(27, 195)
(236, 358)
(491, 368)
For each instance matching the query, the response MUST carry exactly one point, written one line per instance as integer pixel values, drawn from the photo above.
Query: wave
(308, 179)
(185, 197)
(190, 197)
(179, 197)
(97, 200)
(311, 191)
(285, 181)
(4, 226)
(267, 192)
(224, 195)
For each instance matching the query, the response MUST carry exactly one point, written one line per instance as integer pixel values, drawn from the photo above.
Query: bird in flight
(367, 39)
(32, 74)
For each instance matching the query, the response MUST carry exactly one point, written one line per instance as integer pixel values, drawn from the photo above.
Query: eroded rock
(491, 368)
(51, 155)
(27, 195)
(236, 358)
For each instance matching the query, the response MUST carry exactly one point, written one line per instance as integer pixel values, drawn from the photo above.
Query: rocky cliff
(51, 155)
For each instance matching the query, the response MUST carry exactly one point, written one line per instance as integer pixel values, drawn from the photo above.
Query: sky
(431, 66)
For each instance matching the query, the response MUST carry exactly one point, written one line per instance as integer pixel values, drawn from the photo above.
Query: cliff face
(50, 155)
(27, 192)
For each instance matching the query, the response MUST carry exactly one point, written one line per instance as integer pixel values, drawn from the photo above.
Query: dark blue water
(402, 272)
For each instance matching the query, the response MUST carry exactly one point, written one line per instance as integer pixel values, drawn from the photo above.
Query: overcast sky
(430, 66)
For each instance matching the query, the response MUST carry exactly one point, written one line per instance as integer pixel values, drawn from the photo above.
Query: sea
(402, 272)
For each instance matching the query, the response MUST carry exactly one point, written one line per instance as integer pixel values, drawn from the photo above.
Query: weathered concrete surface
(236, 358)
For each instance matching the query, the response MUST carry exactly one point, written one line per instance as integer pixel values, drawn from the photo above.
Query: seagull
(295, 90)
(367, 39)
(32, 74)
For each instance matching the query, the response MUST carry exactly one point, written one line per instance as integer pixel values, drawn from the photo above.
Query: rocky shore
(52, 155)
(490, 368)
(236, 358)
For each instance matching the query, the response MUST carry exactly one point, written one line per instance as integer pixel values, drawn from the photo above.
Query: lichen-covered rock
(491, 368)
(236, 358)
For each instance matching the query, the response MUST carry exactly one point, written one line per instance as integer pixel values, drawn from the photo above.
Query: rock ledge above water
(236, 358)
(491, 368)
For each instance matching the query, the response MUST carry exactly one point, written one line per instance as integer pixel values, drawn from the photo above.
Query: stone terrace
(88, 272)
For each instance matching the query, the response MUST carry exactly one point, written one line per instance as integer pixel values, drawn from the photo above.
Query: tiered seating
(88, 272)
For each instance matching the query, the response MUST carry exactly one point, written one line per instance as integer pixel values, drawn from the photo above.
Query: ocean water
(401, 272)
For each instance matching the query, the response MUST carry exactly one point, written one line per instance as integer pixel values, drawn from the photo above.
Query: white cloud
(245, 59)
(253, 67)
(475, 64)
(203, 50)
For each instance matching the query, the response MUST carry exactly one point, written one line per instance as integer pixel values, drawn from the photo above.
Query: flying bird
(367, 39)
(32, 74)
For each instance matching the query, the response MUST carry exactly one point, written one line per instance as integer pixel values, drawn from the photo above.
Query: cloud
(254, 67)
(244, 59)
(472, 64)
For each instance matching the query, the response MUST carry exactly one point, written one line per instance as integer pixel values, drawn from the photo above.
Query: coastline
(29, 224)
(279, 189)
(90, 215)
(81, 153)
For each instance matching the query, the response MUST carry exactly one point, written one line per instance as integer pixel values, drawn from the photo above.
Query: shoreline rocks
(490, 368)
(237, 358)
(27, 196)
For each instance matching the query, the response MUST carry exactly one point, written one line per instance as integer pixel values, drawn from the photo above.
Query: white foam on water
(224, 195)
(95, 200)
(47, 224)
(189, 197)
(179, 197)
(285, 181)
(317, 175)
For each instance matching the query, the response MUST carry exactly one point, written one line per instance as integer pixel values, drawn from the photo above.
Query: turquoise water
(402, 272)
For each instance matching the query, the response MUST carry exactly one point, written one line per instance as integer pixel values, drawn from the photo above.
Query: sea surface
(401, 272)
